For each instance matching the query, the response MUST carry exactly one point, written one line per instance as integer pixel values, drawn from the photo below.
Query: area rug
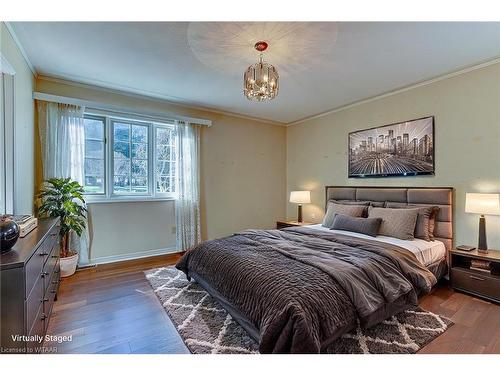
(206, 327)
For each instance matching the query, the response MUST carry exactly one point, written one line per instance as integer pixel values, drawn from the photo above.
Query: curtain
(187, 207)
(62, 140)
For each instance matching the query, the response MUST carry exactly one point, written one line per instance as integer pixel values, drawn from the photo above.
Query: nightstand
(479, 283)
(285, 224)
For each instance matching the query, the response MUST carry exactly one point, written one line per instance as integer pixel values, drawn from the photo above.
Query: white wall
(24, 128)
(467, 145)
(243, 179)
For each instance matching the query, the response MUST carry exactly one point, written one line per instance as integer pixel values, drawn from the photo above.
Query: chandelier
(261, 80)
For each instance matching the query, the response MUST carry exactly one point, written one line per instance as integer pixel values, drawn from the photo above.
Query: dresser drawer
(34, 302)
(38, 329)
(52, 259)
(34, 266)
(51, 292)
(484, 285)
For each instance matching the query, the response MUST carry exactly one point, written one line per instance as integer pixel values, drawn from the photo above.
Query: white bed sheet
(427, 252)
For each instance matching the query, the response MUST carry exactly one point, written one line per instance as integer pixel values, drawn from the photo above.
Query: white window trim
(109, 196)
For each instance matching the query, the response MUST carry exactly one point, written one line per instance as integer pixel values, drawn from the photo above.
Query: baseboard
(132, 256)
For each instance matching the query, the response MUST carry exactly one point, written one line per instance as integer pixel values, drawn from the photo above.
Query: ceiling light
(261, 80)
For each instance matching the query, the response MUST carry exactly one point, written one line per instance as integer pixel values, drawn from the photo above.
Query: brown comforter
(303, 288)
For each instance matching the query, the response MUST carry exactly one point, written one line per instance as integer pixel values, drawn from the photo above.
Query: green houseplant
(63, 198)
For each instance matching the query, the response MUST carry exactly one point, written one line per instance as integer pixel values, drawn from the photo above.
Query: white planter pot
(68, 265)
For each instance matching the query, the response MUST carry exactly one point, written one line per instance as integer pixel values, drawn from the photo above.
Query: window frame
(109, 195)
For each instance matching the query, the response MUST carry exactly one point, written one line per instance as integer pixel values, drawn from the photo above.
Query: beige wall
(467, 145)
(24, 159)
(243, 180)
(131, 229)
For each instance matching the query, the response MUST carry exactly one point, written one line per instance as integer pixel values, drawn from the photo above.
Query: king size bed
(298, 289)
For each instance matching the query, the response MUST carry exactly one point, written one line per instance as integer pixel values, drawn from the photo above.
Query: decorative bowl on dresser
(29, 284)
(476, 273)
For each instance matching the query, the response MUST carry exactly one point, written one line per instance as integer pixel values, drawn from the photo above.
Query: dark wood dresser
(29, 283)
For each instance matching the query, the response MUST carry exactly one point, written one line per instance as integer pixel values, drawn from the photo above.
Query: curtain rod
(118, 109)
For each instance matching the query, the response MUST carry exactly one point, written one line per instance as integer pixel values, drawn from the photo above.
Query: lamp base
(482, 245)
(299, 214)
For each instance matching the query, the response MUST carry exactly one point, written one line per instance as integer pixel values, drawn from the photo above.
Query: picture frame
(400, 149)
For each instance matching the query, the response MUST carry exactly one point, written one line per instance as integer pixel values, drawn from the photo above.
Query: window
(165, 155)
(138, 162)
(130, 158)
(94, 155)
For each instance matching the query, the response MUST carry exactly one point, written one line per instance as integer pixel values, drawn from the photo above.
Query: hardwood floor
(112, 309)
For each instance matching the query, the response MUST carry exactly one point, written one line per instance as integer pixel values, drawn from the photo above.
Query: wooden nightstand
(475, 282)
(285, 223)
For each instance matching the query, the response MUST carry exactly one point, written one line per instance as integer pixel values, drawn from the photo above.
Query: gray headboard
(436, 196)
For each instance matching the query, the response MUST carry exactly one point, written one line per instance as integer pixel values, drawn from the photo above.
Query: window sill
(97, 200)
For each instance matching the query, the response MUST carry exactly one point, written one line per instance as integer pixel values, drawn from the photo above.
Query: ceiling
(322, 66)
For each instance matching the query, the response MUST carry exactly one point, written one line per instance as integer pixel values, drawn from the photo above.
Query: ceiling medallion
(261, 80)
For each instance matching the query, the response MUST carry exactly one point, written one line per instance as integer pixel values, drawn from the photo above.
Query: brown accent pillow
(345, 209)
(399, 223)
(354, 203)
(432, 222)
(357, 224)
(424, 228)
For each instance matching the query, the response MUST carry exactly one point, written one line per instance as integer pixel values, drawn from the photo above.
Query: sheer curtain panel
(62, 140)
(187, 206)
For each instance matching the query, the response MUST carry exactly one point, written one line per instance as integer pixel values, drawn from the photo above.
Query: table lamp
(300, 197)
(483, 204)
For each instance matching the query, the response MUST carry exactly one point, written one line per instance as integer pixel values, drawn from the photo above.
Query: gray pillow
(357, 224)
(424, 228)
(396, 222)
(344, 209)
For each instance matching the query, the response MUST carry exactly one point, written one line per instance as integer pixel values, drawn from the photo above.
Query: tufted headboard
(423, 196)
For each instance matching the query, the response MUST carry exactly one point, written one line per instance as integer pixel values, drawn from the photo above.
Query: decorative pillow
(432, 222)
(396, 222)
(344, 209)
(424, 228)
(357, 224)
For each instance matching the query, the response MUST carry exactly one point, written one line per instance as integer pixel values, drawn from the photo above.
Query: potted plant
(63, 198)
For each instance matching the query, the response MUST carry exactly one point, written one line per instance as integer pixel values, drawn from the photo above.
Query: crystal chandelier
(261, 80)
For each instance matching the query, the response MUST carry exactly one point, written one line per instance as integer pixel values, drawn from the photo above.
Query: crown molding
(143, 94)
(400, 90)
(20, 47)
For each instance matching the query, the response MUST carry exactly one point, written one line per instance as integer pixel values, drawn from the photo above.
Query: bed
(297, 290)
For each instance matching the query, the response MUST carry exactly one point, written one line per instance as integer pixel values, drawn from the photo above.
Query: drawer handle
(43, 274)
(55, 256)
(43, 254)
(476, 278)
(43, 317)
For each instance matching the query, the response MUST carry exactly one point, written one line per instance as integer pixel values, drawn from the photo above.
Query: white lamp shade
(300, 197)
(484, 204)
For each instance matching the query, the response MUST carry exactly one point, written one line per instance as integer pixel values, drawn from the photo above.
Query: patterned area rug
(206, 327)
